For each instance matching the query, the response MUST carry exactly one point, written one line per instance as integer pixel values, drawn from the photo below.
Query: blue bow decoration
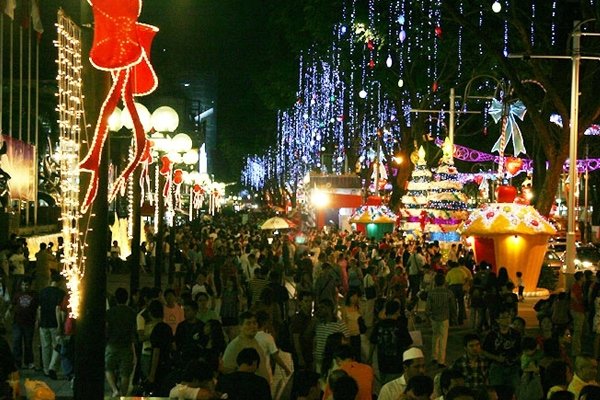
(515, 109)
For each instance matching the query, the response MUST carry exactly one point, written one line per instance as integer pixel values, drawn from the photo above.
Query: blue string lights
(342, 100)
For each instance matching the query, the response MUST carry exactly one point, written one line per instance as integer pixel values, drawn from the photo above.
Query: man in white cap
(413, 361)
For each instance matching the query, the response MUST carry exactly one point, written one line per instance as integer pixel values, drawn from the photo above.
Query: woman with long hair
(351, 316)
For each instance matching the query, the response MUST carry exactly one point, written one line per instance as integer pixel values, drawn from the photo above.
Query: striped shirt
(441, 304)
(256, 286)
(322, 331)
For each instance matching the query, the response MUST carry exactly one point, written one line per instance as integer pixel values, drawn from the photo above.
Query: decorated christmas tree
(447, 203)
(414, 214)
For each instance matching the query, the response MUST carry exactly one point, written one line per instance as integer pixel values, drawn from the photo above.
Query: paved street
(62, 387)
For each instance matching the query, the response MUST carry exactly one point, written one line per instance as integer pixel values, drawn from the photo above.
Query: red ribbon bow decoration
(165, 170)
(122, 46)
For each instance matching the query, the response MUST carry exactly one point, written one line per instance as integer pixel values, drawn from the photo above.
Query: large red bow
(122, 46)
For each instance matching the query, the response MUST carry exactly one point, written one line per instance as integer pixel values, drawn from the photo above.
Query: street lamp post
(575, 59)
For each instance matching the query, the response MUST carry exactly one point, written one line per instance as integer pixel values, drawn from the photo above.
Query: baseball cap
(412, 353)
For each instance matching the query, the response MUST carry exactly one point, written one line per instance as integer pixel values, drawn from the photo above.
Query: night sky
(226, 40)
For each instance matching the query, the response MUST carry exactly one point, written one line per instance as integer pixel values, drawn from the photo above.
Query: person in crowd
(441, 308)
(344, 387)
(246, 338)
(120, 342)
(414, 365)
(419, 387)
(257, 285)
(245, 383)
(333, 342)
(173, 312)
(17, 267)
(562, 395)
(362, 373)
(390, 337)
(50, 300)
(281, 297)
(557, 377)
(232, 298)
(5, 292)
(161, 340)
(326, 284)
(461, 393)
(472, 365)
(204, 284)
(306, 386)
(9, 372)
(456, 279)
(414, 265)
(589, 392)
(24, 312)
(326, 325)
(302, 327)
(351, 316)
(214, 341)
(189, 334)
(144, 326)
(577, 309)
(503, 346)
(205, 313)
(586, 371)
(267, 343)
(560, 311)
(115, 261)
(449, 379)
(197, 382)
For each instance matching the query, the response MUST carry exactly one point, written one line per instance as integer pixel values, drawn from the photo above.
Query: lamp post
(179, 151)
(575, 59)
(164, 120)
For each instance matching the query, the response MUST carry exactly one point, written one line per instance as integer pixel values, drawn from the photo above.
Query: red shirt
(576, 303)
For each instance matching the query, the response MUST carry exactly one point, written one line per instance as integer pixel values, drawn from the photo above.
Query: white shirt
(267, 343)
(183, 392)
(393, 389)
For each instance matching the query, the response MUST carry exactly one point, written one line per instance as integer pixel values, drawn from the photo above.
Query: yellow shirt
(455, 277)
(577, 384)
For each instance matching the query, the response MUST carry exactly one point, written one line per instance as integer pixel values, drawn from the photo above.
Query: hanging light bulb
(400, 82)
(389, 61)
(496, 7)
(362, 94)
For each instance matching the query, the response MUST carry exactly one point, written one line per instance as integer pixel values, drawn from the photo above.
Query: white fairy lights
(70, 112)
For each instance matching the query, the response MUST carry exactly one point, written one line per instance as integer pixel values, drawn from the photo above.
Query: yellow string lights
(70, 112)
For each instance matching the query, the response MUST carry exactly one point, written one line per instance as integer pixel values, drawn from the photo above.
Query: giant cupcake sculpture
(510, 235)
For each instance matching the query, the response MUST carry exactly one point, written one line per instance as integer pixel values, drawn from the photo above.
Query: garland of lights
(70, 111)
(130, 183)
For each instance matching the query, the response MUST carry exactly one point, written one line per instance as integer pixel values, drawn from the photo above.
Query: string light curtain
(70, 115)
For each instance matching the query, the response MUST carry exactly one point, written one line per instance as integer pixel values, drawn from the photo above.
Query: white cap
(412, 353)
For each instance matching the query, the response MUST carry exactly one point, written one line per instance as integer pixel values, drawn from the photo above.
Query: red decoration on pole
(372, 64)
(122, 46)
(438, 31)
(165, 170)
(178, 176)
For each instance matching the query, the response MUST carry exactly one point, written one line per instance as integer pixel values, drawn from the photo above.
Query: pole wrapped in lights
(122, 46)
(70, 111)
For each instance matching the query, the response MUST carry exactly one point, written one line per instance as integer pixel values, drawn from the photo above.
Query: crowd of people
(321, 315)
